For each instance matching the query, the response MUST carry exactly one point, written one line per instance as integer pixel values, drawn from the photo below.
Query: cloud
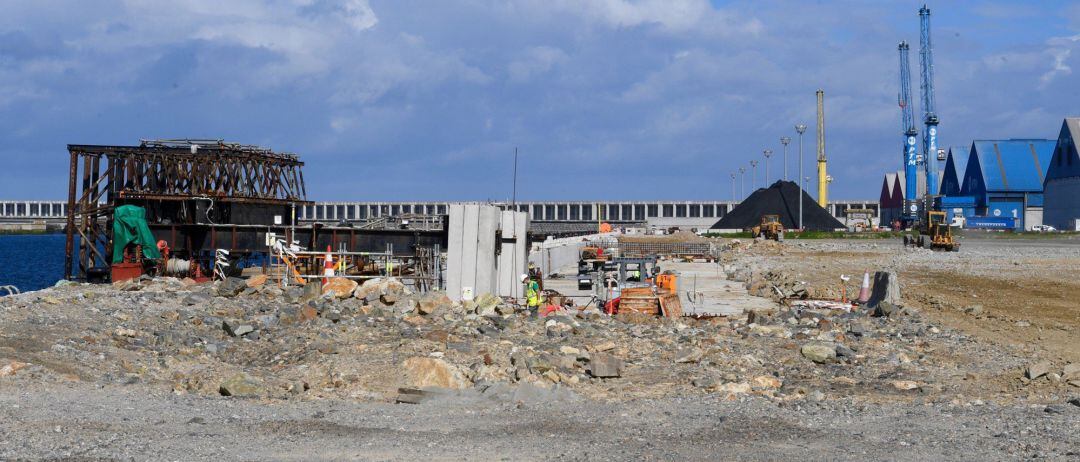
(434, 95)
(536, 60)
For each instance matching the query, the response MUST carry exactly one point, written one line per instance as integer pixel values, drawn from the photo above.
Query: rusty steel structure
(206, 195)
(186, 185)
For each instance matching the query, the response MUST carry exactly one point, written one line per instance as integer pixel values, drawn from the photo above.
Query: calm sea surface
(31, 262)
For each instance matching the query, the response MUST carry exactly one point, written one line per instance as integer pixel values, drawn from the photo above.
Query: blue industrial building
(1005, 178)
(951, 177)
(1062, 185)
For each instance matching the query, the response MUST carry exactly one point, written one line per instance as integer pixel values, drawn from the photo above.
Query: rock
(432, 372)
(569, 350)
(230, 287)
(766, 382)
(705, 382)
(690, 355)
(883, 309)
(1075, 401)
(240, 385)
(905, 385)
(288, 316)
(432, 302)
(1071, 371)
(312, 290)
(974, 310)
(604, 346)
(372, 289)
(819, 352)
(505, 309)
(603, 365)
(388, 299)
(1037, 370)
(486, 304)
(235, 329)
(308, 313)
(257, 281)
(341, 287)
(417, 320)
(196, 298)
(731, 389)
(844, 352)
(11, 368)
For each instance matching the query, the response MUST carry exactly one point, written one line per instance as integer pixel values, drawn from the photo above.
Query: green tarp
(129, 227)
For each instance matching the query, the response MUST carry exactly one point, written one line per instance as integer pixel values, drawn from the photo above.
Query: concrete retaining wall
(486, 251)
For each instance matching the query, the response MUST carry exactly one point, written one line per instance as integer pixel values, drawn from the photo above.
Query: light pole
(784, 140)
(733, 186)
(753, 175)
(742, 182)
(800, 128)
(768, 154)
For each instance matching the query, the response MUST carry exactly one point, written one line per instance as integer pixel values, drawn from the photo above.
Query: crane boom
(930, 118)
(907, 127)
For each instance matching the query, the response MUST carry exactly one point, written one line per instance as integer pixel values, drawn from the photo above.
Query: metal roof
(1014, 165)
(955, 164)
(1065, 162)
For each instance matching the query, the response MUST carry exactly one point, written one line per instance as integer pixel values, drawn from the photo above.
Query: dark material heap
(782, 198)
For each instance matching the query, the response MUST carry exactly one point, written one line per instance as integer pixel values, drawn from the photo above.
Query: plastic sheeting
(129, 227)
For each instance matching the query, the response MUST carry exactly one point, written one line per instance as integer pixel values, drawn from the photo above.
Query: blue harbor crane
(907, 125)
(930, 136)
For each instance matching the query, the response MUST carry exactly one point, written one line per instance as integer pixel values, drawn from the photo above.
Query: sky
(604, 99)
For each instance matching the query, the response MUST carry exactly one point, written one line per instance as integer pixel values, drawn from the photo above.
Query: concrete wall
(1061, 202)
(475, 261)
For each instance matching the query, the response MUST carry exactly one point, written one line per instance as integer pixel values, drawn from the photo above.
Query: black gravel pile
(782, 198)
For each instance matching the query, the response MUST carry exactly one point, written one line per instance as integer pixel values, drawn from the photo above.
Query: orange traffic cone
(864, 292)
(328, 270)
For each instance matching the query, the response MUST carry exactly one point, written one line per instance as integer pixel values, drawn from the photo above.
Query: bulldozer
(933, 232)
(770, 228)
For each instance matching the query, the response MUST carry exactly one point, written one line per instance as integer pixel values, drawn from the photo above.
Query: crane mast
(930, 118)
(823, 176)
(907, 126)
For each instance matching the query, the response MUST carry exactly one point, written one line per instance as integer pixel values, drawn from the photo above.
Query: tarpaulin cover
(129, 227)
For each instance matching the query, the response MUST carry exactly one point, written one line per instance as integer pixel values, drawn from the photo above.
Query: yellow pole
(822, 174)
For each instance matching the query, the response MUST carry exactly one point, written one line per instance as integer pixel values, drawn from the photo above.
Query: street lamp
(733, 186)
(753, 175)
(768, 154)
(784, 140)
(800, 128)
(742, 181)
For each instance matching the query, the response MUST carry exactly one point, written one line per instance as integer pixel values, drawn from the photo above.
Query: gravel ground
(137, 372)
(88, 422)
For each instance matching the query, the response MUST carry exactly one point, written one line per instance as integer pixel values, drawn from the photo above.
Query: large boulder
(486, 304)
(820, 352)
(373, 289)
(341, 287)
(240, 385)
(423, 372)
(603, 365)
(230, 287)
(431, 302)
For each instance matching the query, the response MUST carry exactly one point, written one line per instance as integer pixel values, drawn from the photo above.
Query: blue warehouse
(1005, 178)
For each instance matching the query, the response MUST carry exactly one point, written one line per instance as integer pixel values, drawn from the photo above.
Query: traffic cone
(328, 271)
(864, 292)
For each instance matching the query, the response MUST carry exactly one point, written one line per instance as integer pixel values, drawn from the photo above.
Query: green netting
(129, 227)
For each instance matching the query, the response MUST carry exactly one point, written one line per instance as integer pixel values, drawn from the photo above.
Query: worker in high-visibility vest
(533, 298)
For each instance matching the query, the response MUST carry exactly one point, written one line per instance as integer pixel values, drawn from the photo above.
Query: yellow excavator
(933, 232)
(770, 228)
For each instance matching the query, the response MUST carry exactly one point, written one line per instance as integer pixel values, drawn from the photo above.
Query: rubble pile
(379, 341)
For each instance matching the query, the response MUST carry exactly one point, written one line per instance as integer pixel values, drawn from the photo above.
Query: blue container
(1005, 223)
